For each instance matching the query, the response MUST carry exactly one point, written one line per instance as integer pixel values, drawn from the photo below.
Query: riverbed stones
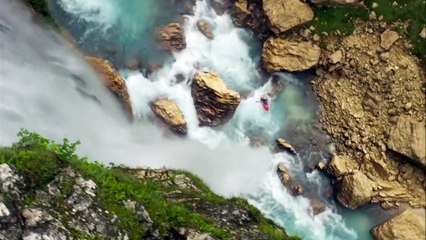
(280, 54)
(214, 102)
(284, 15)
(356, 190)
(113, 81)
(388, 38)
(171, 37)
(169, 113)
(407, 137)
(406, 226)
(205, 28)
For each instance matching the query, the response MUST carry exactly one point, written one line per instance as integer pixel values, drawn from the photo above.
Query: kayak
(265, 106)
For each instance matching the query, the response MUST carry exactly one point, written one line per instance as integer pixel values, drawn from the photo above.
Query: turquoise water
(118, 30)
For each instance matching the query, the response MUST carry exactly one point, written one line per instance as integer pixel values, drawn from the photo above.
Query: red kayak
(264, 103)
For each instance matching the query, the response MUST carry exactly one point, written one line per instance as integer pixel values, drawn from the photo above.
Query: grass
(40, 160)
(329, 19)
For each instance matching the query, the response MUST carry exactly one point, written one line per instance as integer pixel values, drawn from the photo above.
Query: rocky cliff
(48, 192)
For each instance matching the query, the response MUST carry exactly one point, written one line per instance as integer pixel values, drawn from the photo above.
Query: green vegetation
(42, 8)
(40, 160)
(329, 19)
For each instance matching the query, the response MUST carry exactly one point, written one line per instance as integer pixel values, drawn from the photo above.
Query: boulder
(337, 167)
(338, 2)
(407, 137)
(285, 14)
(113, 81)
(336, 57)
(356, 190)
(171, 37)
(283, 174)
(205, 29)
(168, 112)
(296, 189)
(422, 34)
(279, 54)
(214, 102)
(240, 13)
(317, 206)
(284, 145)
(405, 226)
(388, 38)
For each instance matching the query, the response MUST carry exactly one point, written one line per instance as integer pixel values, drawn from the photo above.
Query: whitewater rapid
(46, 87)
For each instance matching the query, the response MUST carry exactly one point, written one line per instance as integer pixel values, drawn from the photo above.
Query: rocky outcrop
(337, 166)
(113, 81)
(171, 37)
(363, 96)
(284, 145)
(214, 102)
(168, 112)
(284, 15)
(279, 54)
(205, 28)
(338, 2)
(249, 13)
(388, 38)
(356, 190)
(407, 137)
(405, 226)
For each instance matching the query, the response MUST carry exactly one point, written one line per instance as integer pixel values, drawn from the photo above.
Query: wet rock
(284, 15)
(283, 174)
(388, 38)
(405, 226)
(214, 102)
(205, 28)
(279, 54)
(168, 112)
(132, 64)
(240, 13)
(338, 2)
(284, 145)
(171, 37)
(317, 206)
(113, 81)
(356, 190)
(407, 137)
(296, 189)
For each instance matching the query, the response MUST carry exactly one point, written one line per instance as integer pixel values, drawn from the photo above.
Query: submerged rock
(356, 190)
(113, 81)
(170, 114)
(284, 15)
(205, 28)
(214, 102)
(407, 137)
(279, 54)
(405, 226)
(171, 37)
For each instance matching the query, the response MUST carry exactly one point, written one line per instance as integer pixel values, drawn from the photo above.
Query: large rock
(171, 37)
(388, 38)
(279, 54)
(356, 190)
(284, 145)
(337, 167)
(214, 102)
(205, 28)
(170, 114)
(113, 81)
(406, 226)
(338, 2)
(407, 137)
(286, 14)
(240, 13)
